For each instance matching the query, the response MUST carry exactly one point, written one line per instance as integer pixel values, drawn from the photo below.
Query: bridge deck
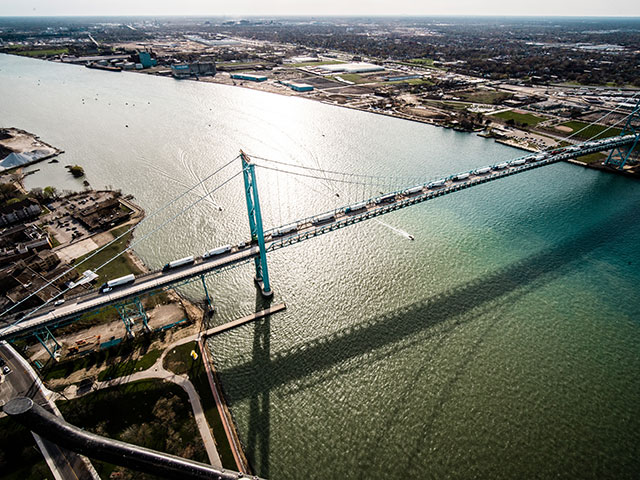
(302, 230)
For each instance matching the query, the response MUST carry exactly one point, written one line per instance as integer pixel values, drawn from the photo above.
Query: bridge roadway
(301, 230)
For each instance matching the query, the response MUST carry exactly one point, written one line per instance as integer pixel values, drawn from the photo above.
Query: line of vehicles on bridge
(391, 197)
(173, 265)
(359, 207)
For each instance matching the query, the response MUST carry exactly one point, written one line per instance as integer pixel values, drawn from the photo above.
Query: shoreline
(394, 114)
(36, 140)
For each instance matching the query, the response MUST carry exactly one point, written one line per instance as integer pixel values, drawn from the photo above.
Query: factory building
(402, 78)
(357, 67)
(180, 70)
(298, 87)
(184, 70)
(146, 61)
(248, 76)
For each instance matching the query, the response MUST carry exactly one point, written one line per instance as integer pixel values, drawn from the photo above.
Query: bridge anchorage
(620, 155)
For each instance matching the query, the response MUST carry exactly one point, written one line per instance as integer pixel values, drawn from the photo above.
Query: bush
(76, 171)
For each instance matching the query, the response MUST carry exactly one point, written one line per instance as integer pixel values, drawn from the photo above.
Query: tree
(8, 190)
(50, 192)
(76, 170)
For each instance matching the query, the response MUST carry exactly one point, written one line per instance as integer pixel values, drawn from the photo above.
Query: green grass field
(422, 61)
(527, 119)
(43, 53)
(593, 157)
(592, 131)
(122, 369)
(353, 77)
(484, 96)
(413, 81)
(117, 268)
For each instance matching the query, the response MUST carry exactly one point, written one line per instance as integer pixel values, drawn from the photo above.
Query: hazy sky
(320, 7)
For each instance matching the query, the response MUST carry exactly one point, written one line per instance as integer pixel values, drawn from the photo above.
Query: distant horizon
(324, 8)
(310, 15)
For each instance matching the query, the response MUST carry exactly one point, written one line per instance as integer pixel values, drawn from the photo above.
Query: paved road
(76, 306)
(23, 381)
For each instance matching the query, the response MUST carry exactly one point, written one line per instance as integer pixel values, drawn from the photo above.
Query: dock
(241, 321)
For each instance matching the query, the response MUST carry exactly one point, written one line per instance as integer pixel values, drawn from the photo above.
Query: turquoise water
(502, 343)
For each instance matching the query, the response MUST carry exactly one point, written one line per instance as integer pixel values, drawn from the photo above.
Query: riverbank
(19, 149)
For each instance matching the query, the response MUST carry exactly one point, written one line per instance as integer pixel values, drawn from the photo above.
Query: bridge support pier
(619, 156)
(49, 342)
(255, 224)
(210, 306)
(130, 312)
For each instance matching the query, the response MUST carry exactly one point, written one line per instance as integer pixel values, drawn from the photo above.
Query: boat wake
(406, 235)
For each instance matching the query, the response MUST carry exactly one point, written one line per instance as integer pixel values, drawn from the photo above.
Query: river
(502, 343)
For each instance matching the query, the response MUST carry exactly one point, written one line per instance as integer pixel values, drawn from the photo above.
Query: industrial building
(298, 87)
(185, 70)
(146, 61)
(248, 76)
(357, 67)
(180, 70)
(402, 78)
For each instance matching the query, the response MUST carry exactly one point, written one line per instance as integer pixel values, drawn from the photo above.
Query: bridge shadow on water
(257, 447)
(265, 372)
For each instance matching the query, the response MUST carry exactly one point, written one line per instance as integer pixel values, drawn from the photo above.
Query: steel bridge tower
(619, 156)
(255, 223)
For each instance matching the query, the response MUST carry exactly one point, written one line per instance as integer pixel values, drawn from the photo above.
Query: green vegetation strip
(592, 158)
(43, 53)
(179, 360)
(411, 81)
(519, 118)
(422, 61)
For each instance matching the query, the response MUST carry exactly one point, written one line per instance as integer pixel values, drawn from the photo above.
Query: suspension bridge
(125, 294)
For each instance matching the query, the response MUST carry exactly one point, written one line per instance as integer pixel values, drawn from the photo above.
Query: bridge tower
(255, 223)
(619, 156)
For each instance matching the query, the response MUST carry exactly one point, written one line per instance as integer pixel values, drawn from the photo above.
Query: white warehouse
(359, 67)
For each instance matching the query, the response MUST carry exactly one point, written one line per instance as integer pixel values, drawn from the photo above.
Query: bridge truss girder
(49, 342)
(131, 311)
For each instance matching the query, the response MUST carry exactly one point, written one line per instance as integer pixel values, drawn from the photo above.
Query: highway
(23, 381)
(299, 231)
(145, 283)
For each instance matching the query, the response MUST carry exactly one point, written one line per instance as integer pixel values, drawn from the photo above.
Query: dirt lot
(21, 141)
